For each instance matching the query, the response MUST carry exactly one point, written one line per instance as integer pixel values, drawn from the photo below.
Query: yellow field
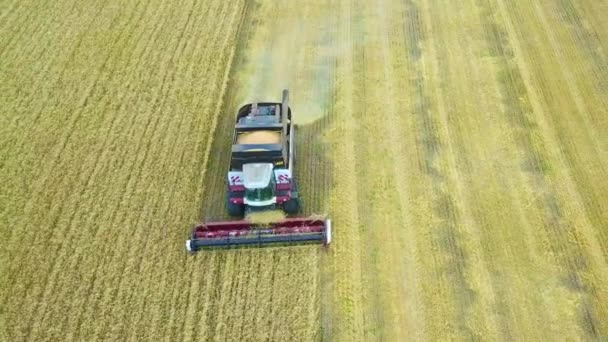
(460, 147)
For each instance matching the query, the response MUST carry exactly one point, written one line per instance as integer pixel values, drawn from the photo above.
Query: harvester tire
(292, 206)
(234, 209)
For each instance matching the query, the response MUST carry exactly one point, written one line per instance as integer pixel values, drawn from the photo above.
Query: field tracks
(528, 160)
(397, 234)
(442, 142)
(304, 259)
(600, 145)
(582, 28)
(565, 246)
(572, 173)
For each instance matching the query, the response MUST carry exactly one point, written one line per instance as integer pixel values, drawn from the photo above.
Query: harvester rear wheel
(293, 205)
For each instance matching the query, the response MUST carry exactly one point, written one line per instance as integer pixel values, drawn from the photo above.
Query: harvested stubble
(265, 217)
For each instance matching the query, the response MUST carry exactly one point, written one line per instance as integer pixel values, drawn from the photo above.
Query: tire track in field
(568, 154)
(461, 227)
(492, 237)
(556, 216)
(440, 138)
(215, 208)
(477, 158)
(536, 164)
(572, 127)
(524, 138)
(528, 163)
(587, 42)
(381, 152)
(506, 284)
(590, 310)
(592, 106)
(518, 134)
(593, 13)
(345, 266)
(584, 113)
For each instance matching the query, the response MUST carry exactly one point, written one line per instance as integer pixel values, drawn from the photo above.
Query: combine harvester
(261, 179)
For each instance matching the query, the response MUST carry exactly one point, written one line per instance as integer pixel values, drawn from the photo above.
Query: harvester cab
(260, 178)
(260, 187)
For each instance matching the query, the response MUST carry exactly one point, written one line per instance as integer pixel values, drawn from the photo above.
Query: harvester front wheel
(292, 206)
(234, 209)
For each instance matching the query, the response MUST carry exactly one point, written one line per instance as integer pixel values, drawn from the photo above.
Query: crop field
(460, 148)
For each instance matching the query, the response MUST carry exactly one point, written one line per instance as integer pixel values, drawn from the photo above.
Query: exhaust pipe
(285, 103)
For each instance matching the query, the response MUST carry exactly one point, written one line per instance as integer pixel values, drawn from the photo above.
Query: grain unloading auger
(261, 178)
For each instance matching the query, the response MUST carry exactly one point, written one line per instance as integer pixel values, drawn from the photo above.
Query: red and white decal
(235, 178)
(283, 176)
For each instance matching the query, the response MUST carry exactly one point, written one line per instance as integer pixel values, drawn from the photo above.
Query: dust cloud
(295, 52)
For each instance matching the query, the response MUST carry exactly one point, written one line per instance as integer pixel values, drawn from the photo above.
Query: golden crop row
(110, 110)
